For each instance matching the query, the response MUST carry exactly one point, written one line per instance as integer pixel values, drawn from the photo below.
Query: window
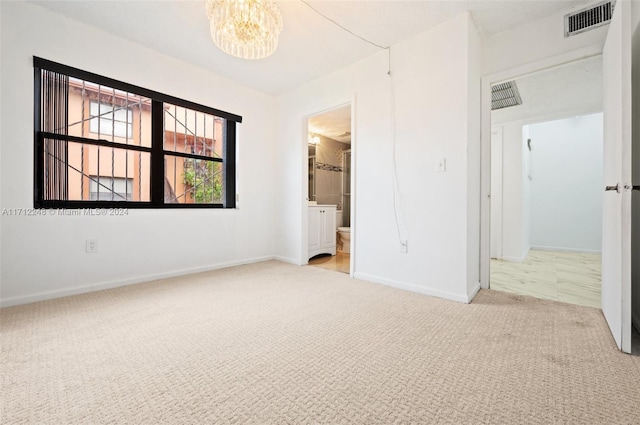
(110, 188)
(105, 121)
(102, 143)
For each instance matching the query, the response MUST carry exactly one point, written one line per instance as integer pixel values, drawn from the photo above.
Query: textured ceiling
(571, 89)
(310, 46)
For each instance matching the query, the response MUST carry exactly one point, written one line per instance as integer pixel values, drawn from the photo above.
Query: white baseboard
(517, 259)
(473, 293)
(416, 288)
(49, 295)
(563, 249)
(288, 260)
(514, 259)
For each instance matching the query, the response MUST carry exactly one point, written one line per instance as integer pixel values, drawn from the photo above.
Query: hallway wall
(566, 184)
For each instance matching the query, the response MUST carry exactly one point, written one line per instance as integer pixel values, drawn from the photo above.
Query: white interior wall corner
(474, 108)
(567, 153)
(536, 41)
(514, 204)
(526, 194)
(431, 87)
(43, 257)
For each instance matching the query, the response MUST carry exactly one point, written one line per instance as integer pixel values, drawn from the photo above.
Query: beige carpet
(272, 343)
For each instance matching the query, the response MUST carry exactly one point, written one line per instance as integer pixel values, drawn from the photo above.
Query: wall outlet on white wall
(91, 246)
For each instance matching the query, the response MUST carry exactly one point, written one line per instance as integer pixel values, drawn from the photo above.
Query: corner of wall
(474, 109)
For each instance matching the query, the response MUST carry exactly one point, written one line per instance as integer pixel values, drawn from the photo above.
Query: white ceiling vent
(588, 19)
(505, 95)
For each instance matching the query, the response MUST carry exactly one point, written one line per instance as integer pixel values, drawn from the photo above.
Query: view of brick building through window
(115, 173)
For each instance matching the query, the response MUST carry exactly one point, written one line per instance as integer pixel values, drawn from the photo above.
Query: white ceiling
(334, 124)
(310, 46)
(570, 89)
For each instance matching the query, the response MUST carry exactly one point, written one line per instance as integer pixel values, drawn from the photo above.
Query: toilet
(344, 239)
(344, 234)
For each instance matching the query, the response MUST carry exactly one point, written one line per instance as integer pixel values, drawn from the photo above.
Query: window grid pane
(98, 143)
(190, 179)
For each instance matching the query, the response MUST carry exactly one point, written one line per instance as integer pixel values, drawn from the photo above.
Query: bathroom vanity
(322, 230)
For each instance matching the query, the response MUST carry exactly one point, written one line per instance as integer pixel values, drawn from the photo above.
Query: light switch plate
(442, 165)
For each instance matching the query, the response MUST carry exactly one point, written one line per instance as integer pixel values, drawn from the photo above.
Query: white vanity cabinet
(322, 230)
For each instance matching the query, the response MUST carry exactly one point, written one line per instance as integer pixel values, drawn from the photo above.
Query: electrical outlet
(91, 246)
(403, 246)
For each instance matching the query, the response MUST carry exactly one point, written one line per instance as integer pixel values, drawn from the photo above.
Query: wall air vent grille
(505, 95)
(588, 19)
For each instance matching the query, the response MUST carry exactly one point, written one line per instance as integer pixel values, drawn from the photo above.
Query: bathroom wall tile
(330, 151)
(323, 182)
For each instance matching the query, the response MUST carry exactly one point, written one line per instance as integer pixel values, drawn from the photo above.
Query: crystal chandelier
(246, 29)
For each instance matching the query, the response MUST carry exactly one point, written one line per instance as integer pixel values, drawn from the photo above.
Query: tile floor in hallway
(338, 262)
(561, 276)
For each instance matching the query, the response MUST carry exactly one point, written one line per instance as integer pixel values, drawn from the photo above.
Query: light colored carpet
(273, 343)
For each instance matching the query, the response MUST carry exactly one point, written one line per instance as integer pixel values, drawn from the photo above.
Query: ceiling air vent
(504, 95)
(588, 19)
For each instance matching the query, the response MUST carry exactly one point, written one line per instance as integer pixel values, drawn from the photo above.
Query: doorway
(546, 177)
(329, 189)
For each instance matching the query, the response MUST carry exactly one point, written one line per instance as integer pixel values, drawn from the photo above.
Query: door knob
(616, 188)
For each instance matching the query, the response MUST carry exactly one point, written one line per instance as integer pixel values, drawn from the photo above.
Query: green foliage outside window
(204, 180)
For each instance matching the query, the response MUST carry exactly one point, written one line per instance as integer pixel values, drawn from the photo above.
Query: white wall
(538, 202)
(436, 115)
(514, 53)
(44, 257)
(515, 188)
(536, 41)
(566, 185)
(474, 92)
(527, 175)
(635, 248)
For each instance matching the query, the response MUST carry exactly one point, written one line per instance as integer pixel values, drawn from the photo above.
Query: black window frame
(156, 151)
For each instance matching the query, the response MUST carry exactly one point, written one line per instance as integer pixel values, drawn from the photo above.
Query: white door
(616, 234)
(496, 193)
(328, 227)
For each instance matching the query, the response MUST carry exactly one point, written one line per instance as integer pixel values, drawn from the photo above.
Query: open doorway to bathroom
(546, 178)
(329, 189)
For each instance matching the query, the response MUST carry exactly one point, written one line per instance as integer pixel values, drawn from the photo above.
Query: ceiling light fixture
(247, 29)
(314, 139)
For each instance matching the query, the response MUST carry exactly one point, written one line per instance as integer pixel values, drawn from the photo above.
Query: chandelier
(246, 29)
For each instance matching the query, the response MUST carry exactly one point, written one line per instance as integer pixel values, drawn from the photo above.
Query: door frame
(485, 139)
(497, 199)
(304, 248)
